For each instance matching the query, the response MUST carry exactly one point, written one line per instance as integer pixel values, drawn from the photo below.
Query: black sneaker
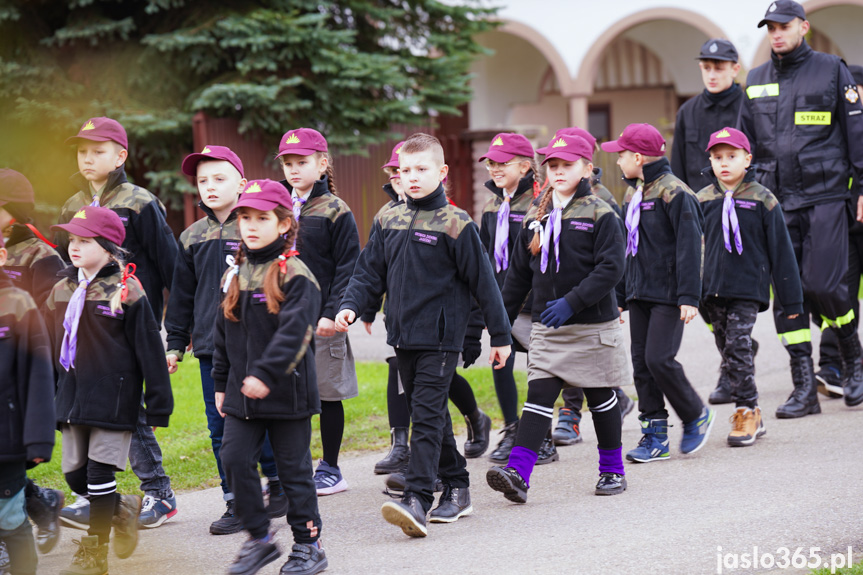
(254, 555)
(305, 559)
(829, 381)
(503, 449)
(610, 484)
(407, 514)
(508, 481)
(454, 503)
(44, 508)
(397, 482)
(277, 504)
(547, 452)
(227, 523)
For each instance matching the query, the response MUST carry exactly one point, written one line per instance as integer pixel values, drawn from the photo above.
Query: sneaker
(277, 501)
(228, 523)
(90, 558)
(125, 524)
(747, 426)
(44, 509)
(653, 445)
(254, 555)
(305, 559)
(610, 484)
(547, 452)
(328, 479)
(567, 432)
(454, 503)
(626, 403)
(77, 515)
(407, 514)
(509, 482)
(397, 482)
(829, 380)
(503, 449)
(156, 510)
(695, 433)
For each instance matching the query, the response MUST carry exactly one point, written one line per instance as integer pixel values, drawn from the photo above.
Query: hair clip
(234, 270)
(535, 226)
(128, 272)
(283, 263)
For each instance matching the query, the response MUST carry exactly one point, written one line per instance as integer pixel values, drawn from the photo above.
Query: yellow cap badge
(88, 126)
(80, 214)
(560, 143)
(399, 151)
(498, 142)
(253, 189)
(292, 139)
(723, 134)
(206, 150)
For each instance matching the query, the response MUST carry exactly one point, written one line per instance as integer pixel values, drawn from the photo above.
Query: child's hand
(688, 313)
(620, 311)
(499, 354)
(326, 327)
(366, 325)
(794, 316)
(254, 388)
(172, 363)
(344, 319)
(220, 400)
(38, 460)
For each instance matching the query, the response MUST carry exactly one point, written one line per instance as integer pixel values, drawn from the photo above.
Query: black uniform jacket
(32, 265)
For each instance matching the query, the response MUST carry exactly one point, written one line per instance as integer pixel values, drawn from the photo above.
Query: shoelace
(84, 556)
(149, 502)
(80, 502)
(738, 420)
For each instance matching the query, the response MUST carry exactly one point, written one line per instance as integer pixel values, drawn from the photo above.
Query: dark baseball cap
(505, 147)
(718, 49)
(783, 11)
(640, 138)
(190, 162)
(574, 131)
(101, 129)
(302, 142)
(569, 148)
(394, 157)
(856, 73)
(731, 136)
(264, 195)
(95, 222)
(14, 188)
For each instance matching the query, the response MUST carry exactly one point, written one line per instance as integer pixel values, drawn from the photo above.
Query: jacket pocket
(671, 280)
(764, 119)
(441, 325)
(822, 170)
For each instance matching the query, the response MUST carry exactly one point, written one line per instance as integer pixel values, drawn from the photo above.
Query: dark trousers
(657, 331)
(733, 320)
(241, 450)
(426, 378)
(819, 235)
(829, 350)
(506, 390)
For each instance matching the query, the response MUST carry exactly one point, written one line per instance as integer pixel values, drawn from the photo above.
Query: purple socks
(523, 460)
(610, 460)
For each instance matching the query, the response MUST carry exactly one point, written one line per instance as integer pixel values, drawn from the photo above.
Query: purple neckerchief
(298, 208)
(69, 347)
(633, 215)
(552, 229)
(95, 202)
(501, 235)
(730, 225)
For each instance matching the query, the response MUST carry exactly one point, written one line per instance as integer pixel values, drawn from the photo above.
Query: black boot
(852, 372)
(722, 393)
(277, 506)
(399, 452)
(478, 430)
(804, 399)
(501, 452)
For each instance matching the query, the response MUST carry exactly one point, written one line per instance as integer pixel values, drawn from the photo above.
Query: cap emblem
(560, 143)
(498, 142)
(399, 151)
(292, 139)
(88, 126)
(206, 150)
(714, 48)
(723, 134)
(80, 214)
(253, 189)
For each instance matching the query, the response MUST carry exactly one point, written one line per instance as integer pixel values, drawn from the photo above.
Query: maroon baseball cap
(101, 129)
(505, 147)
(264, 195)
(640, 138)
(574, 131)
(732, 137)
(95, 222)
(302, 142)
(190, 162)
(394, 157)
(569, 148)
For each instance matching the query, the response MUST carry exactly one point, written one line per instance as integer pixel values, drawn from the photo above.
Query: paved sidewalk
(799, 486)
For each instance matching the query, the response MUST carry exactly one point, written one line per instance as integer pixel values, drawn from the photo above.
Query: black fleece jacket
(427, 257)
(195, 294)
(32, 265)
(368, 316)
(767, 249)
(26, 390)
(117, 352)
(518, 208)
(278, 348)
(667, 267)
(329, 243)
(591, 263)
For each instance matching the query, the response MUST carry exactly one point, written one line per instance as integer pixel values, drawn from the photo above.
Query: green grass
(188, 457)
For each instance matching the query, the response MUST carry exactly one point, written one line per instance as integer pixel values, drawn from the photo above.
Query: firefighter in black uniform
(803, 115)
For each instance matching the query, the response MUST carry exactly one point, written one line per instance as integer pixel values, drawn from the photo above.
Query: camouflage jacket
(26, 390)
(427, 257)
(275, 348)
(32, 264)
(369, 315)
(767, 251)
(591, 263)
(195, 295)
(329, 243)
(667, 267)
(117, 351)
(599, 190)
(148, 238)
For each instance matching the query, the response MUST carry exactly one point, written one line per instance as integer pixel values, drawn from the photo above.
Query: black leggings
(98, 482)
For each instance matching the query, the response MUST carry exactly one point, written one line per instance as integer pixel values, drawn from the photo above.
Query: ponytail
(118, 256)
(331, 184)
(536, 241)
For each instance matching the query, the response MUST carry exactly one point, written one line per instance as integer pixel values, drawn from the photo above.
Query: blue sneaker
(653, 445)
(328, 479)
(156, 510)
(695, 433)
(567, 431)
(77, 515)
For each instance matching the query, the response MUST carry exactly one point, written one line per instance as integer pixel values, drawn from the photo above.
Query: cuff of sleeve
(40, 450)
(219, 386)
(574, 302)
(263, 376)
(158, 420)
(176, 352)
(368, 317)
(791, 309)
(687, 300)
(501, 340)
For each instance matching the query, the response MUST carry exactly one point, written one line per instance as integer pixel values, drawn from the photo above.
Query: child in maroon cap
(106, 344)
(661, 288)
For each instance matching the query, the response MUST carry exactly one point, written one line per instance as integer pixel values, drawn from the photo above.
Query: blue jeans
(145, 457)
(216, 425)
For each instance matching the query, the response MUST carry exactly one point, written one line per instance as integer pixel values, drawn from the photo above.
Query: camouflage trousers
(733, 320)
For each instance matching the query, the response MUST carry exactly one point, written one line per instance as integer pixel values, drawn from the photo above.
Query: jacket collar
(391, 192)
(320, 188)
(597, 176)
(524, 184)
(70, 272)
(20, 233)
(266, 253)
(212, 215)
(652, 171)
(433, 201)
(793, 58)
(583, 188)
(724, 98)
(115, 178)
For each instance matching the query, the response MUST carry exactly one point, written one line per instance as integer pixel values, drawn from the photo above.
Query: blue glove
(556, 313)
